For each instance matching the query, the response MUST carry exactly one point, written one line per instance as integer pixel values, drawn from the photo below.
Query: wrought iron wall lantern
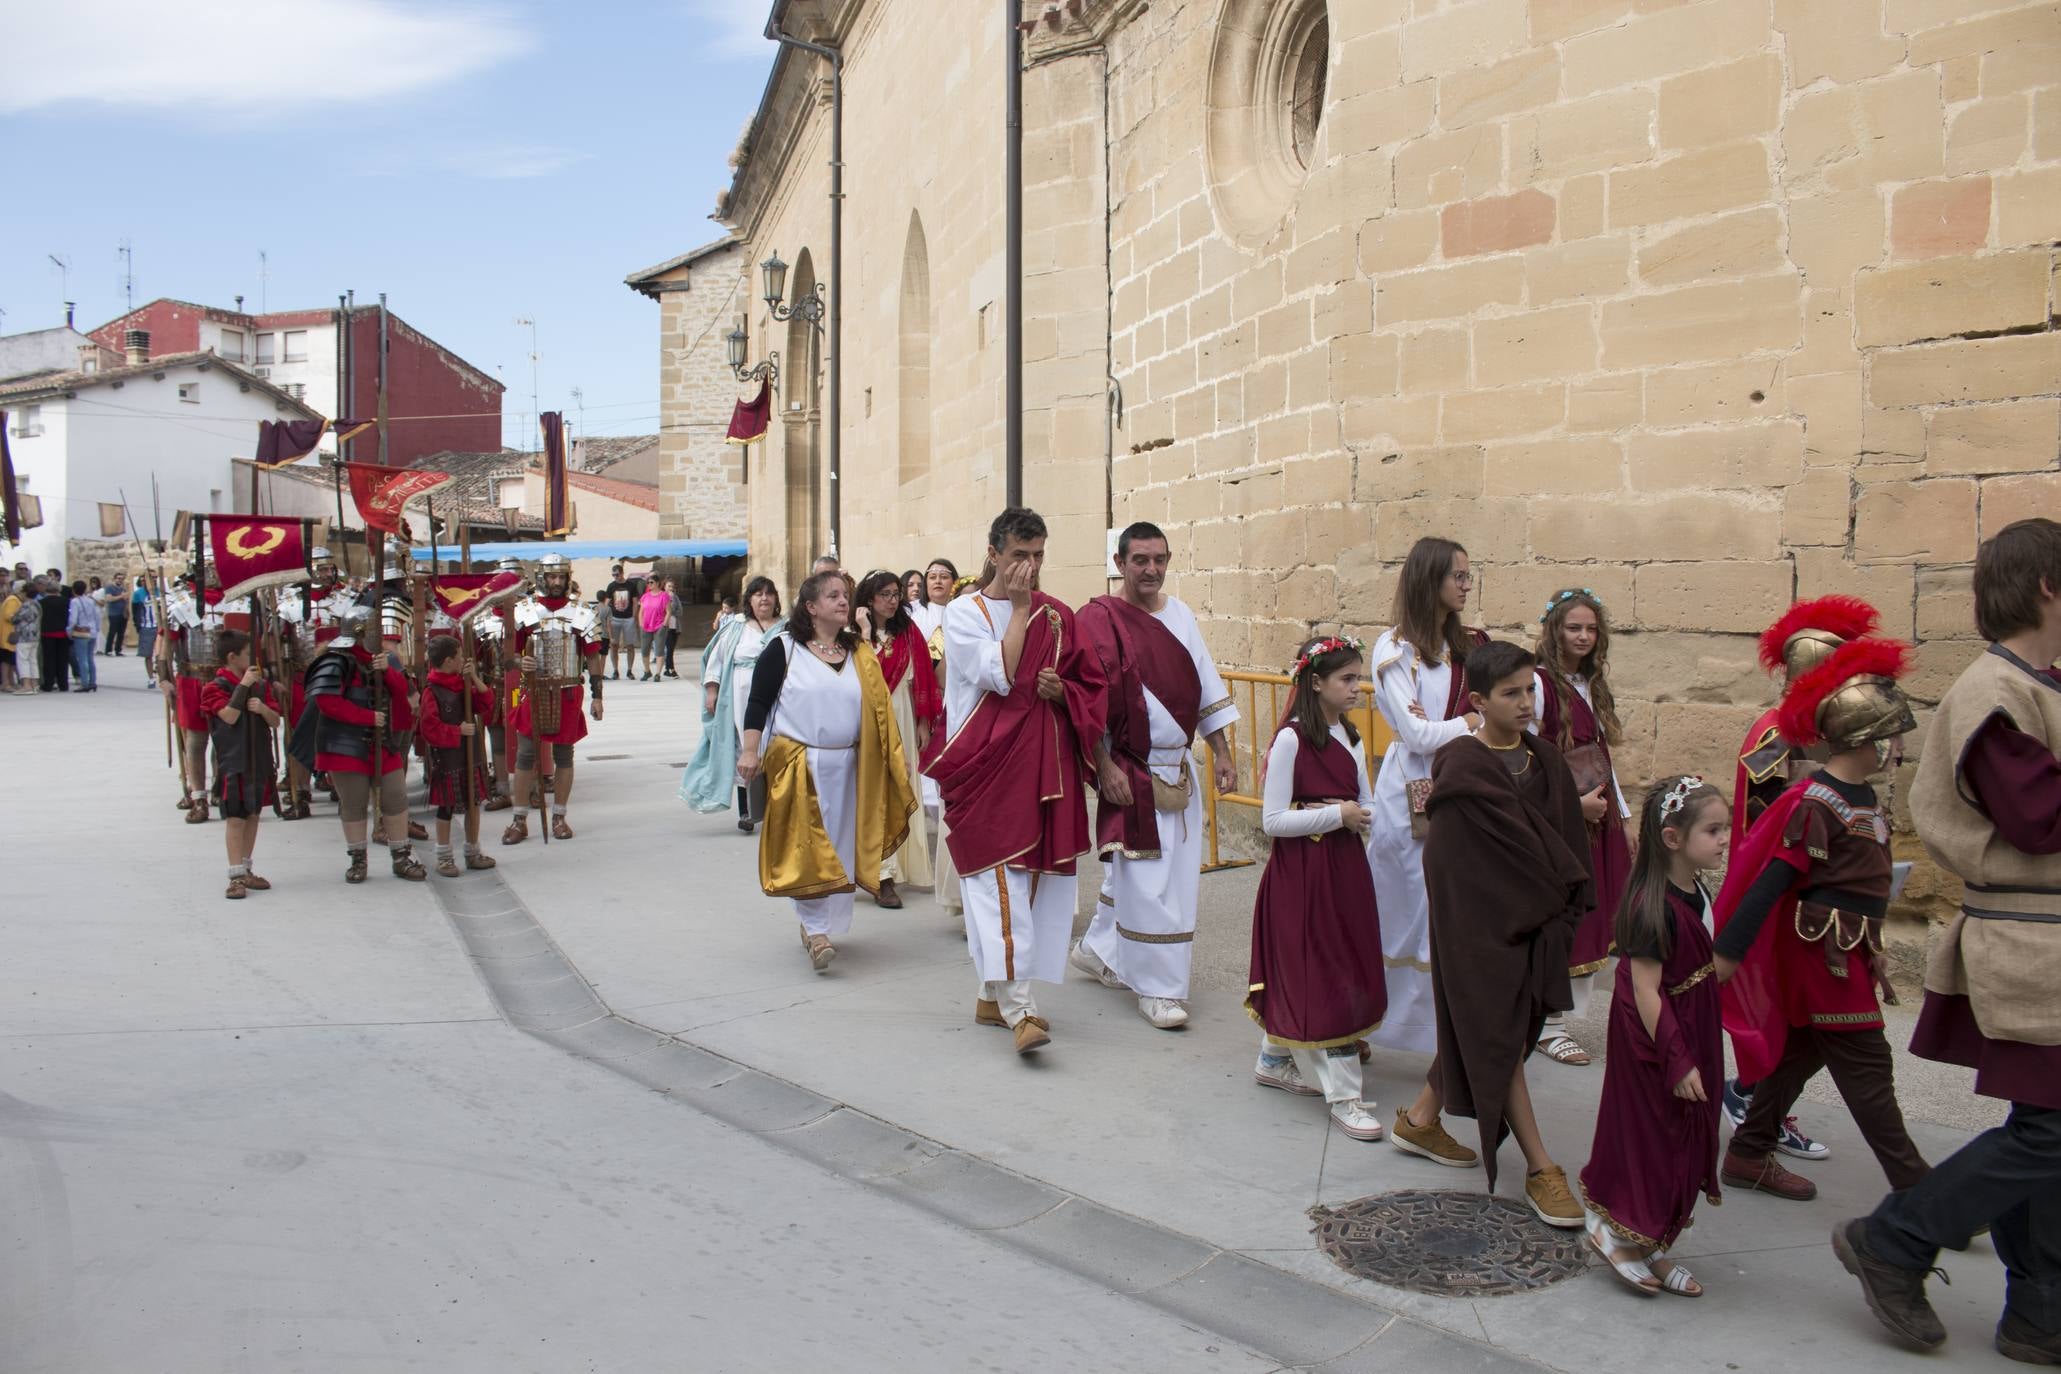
(810, 307)
(738, 347)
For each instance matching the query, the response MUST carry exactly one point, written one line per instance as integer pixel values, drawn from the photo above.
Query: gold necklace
(1502, 748)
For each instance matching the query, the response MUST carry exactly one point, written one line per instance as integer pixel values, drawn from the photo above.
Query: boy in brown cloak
(1507, 871)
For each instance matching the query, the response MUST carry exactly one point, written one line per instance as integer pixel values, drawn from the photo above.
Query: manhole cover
(1462, 1245)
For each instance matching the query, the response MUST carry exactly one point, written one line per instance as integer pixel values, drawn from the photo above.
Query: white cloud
(511, 162)
(233, 55)
(733, 28)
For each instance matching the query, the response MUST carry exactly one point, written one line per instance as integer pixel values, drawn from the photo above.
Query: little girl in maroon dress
(1317, 983)
(1656, 1147)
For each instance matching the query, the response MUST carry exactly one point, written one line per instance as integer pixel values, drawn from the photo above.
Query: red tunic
(1571, 723)
(572, 722)
(896, 657)
(1655, 1153)
(399, 719)
(217, 693)
(448, 752)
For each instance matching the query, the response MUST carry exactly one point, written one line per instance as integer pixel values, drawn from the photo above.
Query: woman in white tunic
(726, 669)
(918, 709)
(1415, 666)
(838, 795)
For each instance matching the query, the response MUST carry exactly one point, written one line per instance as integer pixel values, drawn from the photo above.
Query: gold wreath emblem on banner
(459, 598)
(236, 545)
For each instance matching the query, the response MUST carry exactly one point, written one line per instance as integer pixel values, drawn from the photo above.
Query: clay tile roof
(640, 494)
(59, 383)
(602, 453)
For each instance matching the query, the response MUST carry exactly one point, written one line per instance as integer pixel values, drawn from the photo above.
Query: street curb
(1304, 1324)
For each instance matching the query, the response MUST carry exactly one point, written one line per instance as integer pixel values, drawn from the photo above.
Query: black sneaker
(1895, 1295)
(2018, 1339)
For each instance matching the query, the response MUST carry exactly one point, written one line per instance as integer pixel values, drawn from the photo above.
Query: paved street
(297, 1133)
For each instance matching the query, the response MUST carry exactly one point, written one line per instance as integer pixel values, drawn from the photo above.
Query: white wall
(318, 373)
(39, 466)
(110, 440)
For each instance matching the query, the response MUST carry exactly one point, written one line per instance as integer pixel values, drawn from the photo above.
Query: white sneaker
(1282, 1074)
(1090, 963)
(1357, 1120)
(1163, 1012)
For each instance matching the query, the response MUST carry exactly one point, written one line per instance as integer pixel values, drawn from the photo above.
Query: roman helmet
(1846, 696)
(324, 564)
(1810, 630)
(350, 624)
(554, 575)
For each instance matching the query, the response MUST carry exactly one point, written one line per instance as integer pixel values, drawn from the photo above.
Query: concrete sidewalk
(667, 924)
(293, 1132)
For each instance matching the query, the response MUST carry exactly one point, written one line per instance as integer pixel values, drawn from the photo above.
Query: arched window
(913, 368)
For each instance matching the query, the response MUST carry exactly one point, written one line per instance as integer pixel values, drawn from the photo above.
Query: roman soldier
(309, 619)
(186, 665)
(550, 623)
(246, 774)
(1806, 636)
(359, 733)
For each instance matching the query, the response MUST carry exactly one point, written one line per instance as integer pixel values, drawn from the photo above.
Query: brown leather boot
(1765, 1176)
(887, 899)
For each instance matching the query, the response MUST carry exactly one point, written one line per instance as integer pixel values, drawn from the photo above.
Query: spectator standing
(675, 608)
(143, 611)
(114, 606)
(10, 602)
(82, 627)
(619, 601)
(653, 607)
(28, 637)
(56, 603)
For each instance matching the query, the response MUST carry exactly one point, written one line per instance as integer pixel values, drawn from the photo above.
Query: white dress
(1400, 678)
(929, 620)
(1144, 925)
(739, 661)
(820, 707)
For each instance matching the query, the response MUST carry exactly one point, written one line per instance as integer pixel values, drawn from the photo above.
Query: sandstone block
(1391, 423)
(1828, 344)
(1591, 135)
(1588, 269)
(1672, 666)
(1306, 594)
(1257, 288)
(1855, 136)
(1695, 323)
(1934, 667)
(1507, 413)
(2046, 124)
(1947, 296)
(1445, 167)
(1606, 404)
(1452, 471)
(1931, 219)
(2005, 499)
(1721, 104)
(1989, 134)
(1402, 239)
(1364, 365)
(1515, 594)
(1496, 224)
(1683, 525)
(1283, 437)
(1562, 467)
(1744, 598)
(1366, 589)
(1916, 522)
(2029, 207)
(1834, 234)
(1754, 456)
(1965, 370)
(1833, 41)
(1885, 586)
(1581, 207)
(1462, 35)
(1256, 491)
(2027, 26)
(1946, 603)
(2018, 436)
(1382, 118)
(1435, 360)
(1372, 61)
(1663, 43)
(1524, 82)
(1552, 20)
(1892, 445)
(1717, 393)
(1700, 738)
(1492, 523)
(1284, 329)
(1818, 509)
(1556, 342)
(1455, 292)
(1698, 183)
(1347, 308)
(1273, 540)
(1747, 243)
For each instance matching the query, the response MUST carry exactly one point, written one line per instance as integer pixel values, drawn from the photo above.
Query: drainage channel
(1301, 1323)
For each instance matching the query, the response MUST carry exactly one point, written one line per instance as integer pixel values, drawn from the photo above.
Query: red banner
(250, 552)
(557, 502)
(463, 596)
(748, 421)
(382, 492)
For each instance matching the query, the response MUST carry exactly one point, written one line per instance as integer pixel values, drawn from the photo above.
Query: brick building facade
(1703, 305)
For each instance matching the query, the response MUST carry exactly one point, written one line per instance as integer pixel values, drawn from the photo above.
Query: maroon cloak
(1506, 869)
(1567, 720)
(1136, 651)
(1014, 777)
(1655, 1153)
(1316, 978)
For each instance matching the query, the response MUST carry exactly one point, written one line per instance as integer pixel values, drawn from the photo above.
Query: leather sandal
(405, 866)
(1562, 1048)
(303, 807)
(476, 861)
(257, 884)
(559, 829)
(356, 872)
(198, 815)
(500, 801)
(236, 890)
(518, 830)
(185, 803)
(417, 830)
(447, 867)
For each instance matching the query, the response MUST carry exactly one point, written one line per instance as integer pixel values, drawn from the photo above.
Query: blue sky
(475, 161)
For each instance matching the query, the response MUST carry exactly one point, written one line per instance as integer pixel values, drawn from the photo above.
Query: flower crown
(1677, 795)
(1329, 645)
(1568, 595)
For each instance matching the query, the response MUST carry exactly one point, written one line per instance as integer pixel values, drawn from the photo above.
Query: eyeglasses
(1464, 579)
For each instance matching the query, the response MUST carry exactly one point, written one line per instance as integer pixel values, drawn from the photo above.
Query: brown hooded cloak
(1506, 867)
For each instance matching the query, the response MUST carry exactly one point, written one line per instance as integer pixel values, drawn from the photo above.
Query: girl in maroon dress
(1656, 1146)
(1578, 713)
(1317, 985)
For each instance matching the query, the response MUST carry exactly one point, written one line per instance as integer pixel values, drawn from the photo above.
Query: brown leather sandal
(236, 890)
(518, 830)
(477, 861)
(257, 884)
(559, 829)
(198, 815)
(405, 866)
(356, 872)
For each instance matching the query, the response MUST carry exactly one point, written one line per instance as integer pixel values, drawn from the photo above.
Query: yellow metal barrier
(1254, 734)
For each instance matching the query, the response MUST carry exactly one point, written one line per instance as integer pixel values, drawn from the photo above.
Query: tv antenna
(264, 278)
(127, 254)
(63, 263)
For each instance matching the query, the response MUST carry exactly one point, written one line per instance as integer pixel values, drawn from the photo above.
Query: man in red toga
(1023, 710)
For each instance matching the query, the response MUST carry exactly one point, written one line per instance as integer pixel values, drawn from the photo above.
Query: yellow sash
(796, 857)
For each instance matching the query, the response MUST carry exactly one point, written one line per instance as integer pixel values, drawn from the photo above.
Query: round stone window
(1269, 70)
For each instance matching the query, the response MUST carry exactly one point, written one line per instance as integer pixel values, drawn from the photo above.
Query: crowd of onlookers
(51, 630)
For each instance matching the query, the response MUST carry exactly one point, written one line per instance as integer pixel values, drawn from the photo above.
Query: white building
(82, 440)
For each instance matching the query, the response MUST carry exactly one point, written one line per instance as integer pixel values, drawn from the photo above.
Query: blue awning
(529, 550)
